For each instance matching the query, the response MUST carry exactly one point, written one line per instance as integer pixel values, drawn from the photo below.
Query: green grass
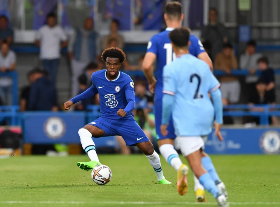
(36, 180)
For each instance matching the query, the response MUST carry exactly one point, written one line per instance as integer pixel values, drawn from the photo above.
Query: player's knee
(149, 149)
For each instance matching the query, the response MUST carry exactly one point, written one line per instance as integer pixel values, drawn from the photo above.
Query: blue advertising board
(49, 128)
(245, 141)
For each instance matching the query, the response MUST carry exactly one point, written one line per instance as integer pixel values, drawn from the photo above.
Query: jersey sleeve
(152, 45)
(130, 97)
(169, 82)
(197, 45)
(213, 83)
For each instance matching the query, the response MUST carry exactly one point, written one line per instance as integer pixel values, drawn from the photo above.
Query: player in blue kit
(187, 82)
(160, 49)
(117, 100)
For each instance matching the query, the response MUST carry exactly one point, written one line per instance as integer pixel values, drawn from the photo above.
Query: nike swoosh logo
(139, 138)
(100, 87)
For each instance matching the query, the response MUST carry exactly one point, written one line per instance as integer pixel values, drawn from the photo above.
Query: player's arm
(130, 98)
(201, 53)
(86, 94)
(217, 102)
(167, 105)
(148, 61)
(205, 57)
(169, 88)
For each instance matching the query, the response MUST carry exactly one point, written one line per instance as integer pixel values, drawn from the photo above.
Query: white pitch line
(134, 203)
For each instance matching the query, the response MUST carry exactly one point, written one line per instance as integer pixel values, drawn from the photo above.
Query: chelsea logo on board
(117, 89)
(270, 142)
(54, 127)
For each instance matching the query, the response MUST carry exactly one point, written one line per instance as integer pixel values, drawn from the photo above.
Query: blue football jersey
(160, 45)
(190, 80)
(112, 93)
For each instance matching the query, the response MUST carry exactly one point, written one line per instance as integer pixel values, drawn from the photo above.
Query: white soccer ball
(101, 174)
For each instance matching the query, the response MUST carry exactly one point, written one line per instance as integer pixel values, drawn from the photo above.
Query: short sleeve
(169, 82)
(213, 83)
(197, 45)
(62, 34)
(13, 58)
(152, 45)
(270, 75)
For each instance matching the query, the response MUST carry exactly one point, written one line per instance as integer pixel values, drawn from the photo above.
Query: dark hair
(228, 45)
(215, 10)
(173, 9)
(91, 65)
(263, 59)
(113, 52)
(82, 79)
(206, 44)
(5, 42)
(31, 72)
(4, 17)
(180, 36)
(116, 22)
(51, 14)
(252, 43)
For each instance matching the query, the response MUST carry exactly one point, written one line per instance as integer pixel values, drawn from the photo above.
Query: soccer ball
(101, 174)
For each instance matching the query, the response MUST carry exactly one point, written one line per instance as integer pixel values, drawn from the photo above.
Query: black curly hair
(113, 52)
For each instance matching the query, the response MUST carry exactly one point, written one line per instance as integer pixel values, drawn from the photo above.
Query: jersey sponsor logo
(149, 45)
(270, 142)
(117, 89)
(132, 84)
(100, 86)
(54, 127)
(111, 100)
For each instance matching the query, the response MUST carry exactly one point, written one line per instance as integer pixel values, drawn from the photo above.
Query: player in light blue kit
(160, 49)
(117, 100)
(187, 82)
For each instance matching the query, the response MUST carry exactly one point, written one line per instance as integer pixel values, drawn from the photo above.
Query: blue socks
(209, 167)
(209, 184)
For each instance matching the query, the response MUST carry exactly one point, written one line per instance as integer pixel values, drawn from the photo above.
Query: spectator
(90, 69)
(24, 97)
(261, 97)
(6, 33)
(48, 38)
(82, 50)
(7, 63)
(82, 106)
(215, 32)
(143, 98)
(267, 76)
(114, 34)
(249, 61)
(43, 95)
(227, 62)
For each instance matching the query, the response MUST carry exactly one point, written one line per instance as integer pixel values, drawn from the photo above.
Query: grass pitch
(56, 181)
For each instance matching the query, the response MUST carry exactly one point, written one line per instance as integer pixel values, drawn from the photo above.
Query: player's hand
(218, 132)
(152, 86)
(163, 129)
(67, 105)
(121, 113)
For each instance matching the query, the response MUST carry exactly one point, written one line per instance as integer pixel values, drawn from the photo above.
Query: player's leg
(209, 167)
(148, 149)
(134, 135)
(96, 129)
(166, 144)
(191, 149)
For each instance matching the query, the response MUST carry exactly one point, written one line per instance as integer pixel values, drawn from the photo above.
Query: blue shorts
(158, 116)
(128, 129)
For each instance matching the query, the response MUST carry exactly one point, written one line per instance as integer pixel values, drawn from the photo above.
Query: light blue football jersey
(190, 80)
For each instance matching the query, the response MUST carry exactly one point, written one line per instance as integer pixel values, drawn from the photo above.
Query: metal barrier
(11, 114)
(14, 76)
(268, 110)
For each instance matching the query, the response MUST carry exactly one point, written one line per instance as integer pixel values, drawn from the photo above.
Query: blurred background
(49, 49)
